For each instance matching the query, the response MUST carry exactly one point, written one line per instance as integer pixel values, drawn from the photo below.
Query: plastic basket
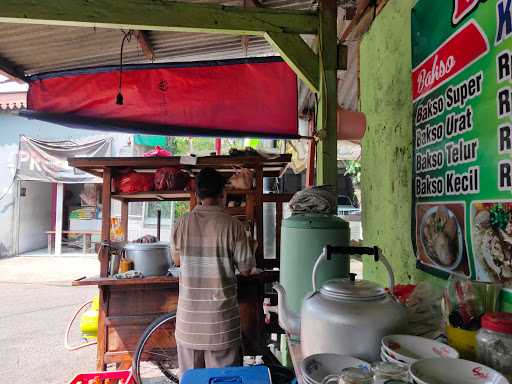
(115, 377)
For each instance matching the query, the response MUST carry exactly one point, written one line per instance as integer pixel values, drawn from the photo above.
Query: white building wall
(35, 215)
(28, 233)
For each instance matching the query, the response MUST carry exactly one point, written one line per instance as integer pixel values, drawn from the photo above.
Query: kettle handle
(330, 251)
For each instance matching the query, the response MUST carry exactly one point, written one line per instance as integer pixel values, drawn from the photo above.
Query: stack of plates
(405, 350)
(316, 367)
(453, 371)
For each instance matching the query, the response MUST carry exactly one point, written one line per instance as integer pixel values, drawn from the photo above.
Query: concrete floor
(66, 251)
(37, 301)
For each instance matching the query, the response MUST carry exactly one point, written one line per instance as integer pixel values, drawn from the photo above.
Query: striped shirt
(211, 244)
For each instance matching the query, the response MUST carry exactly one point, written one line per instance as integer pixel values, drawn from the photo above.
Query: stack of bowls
(316, 368)
(405, 350)
(453, 371)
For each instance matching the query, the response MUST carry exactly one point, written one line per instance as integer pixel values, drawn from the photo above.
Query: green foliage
(353, 170)
(180, 146)
(182, 207)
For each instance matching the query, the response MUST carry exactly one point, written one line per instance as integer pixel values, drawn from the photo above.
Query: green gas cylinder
(303, 237)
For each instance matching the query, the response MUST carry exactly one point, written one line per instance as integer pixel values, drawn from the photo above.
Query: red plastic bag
(402, 292)
(171, 179)
(158, 152)
(242, 179)
(135, 182)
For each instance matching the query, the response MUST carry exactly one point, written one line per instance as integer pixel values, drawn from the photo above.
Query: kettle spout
(288, 320)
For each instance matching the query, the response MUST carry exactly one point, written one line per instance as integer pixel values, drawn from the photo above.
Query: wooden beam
(327, 165)
(11, 69)
(145, 44)
(161, 15)
(299, 56)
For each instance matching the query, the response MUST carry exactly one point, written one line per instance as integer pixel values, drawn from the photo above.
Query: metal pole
(173, 213)
(158, 223)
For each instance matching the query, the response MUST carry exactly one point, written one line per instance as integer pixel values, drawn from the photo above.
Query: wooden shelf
(226, 164)
(149, 280)
(153, 196)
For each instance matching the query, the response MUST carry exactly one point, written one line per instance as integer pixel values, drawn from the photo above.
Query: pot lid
(352, 289)
(143, 246)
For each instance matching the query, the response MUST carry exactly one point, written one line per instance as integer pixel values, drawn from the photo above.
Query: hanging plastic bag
(171, 179)
(242, 179)
(158, 152)
(134, 182)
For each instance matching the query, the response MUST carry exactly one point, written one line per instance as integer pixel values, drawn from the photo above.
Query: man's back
(210, 244)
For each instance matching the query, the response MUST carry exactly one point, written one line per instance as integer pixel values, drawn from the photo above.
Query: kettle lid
(352, 289)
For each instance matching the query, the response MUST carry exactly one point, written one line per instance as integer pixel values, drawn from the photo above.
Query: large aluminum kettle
(345, 316)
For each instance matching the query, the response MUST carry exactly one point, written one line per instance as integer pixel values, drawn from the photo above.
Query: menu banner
(462, 131)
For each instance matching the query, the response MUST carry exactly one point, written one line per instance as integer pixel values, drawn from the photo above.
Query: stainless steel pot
(152, 259)
(345, 316)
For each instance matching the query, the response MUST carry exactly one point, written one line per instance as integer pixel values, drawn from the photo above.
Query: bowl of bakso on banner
(442, 237)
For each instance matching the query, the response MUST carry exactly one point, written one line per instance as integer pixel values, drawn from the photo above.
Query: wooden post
(124, 218)
(105, 222)
(58, 219)
(327, 146)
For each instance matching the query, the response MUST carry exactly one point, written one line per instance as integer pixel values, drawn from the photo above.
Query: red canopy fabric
(248, 97)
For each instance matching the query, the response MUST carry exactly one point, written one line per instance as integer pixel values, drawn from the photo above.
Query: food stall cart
(128, 306)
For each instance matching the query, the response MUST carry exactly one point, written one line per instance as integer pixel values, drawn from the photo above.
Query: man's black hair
(210, 183)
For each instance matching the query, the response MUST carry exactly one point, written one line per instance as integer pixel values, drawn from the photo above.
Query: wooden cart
(127, 307)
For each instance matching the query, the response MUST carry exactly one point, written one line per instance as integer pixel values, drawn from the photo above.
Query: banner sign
(462, 130)
(247, 97)
(47, 161)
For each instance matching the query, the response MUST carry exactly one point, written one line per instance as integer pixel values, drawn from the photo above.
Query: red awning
(249, 97)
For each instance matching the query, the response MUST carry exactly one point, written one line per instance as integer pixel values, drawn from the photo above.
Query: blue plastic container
(233, 375)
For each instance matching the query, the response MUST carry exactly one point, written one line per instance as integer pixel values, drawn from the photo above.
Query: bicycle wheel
(155, 360)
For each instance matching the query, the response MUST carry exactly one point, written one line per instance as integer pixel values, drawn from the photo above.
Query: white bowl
(316, 367)
(385, 357)
(409, 349)
(453, 371)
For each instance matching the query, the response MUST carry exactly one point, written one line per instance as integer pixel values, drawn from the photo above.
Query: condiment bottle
(125, 264)
(494, 342)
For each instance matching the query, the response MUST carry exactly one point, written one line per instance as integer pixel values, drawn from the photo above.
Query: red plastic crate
(115, 377)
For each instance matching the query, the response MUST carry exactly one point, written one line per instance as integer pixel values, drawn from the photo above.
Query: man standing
(208, 245)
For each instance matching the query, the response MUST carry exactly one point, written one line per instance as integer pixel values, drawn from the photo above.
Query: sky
(7, 85)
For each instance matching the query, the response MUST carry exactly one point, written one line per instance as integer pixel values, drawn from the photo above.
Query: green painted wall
(385, 84)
